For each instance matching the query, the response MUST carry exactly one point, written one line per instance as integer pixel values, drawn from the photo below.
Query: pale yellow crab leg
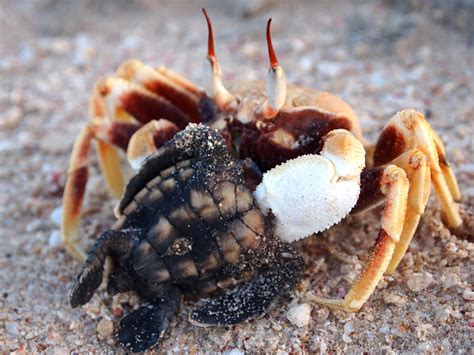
(74, 193)
(415, 164)
(148, 139)
(446, 168)
(276, 83)
(181, 94)
(408, 130)
(215, 88)
(108, 157)
(394, 185)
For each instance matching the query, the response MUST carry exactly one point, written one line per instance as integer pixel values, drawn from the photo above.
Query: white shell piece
(306, 196)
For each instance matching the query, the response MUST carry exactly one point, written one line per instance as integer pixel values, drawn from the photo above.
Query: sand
(377, 56)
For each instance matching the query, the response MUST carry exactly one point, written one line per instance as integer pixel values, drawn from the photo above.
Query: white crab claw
(306, 195)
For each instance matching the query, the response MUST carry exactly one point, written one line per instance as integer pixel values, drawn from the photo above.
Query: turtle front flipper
(253, 298)
(111, 242)
(143, 327)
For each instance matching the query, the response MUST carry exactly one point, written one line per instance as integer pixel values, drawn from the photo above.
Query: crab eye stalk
(276, 85)
(215, 88)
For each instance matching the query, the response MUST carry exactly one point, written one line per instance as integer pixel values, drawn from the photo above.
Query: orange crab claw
(276, 85)
(215, 89)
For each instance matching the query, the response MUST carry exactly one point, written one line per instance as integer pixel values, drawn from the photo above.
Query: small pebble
(105, 328)
(56, 216)
(348, 328)
(11, 328)
(299, 314)
(419, 281)
(393, 298)
(468, 295)
(442, 315)
(54, 240)
(384, 329)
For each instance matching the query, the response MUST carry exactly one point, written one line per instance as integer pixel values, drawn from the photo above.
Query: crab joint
(276, 85)
(215, 88)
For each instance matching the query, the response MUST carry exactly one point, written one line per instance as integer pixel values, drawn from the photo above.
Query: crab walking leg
(151, 79)
(109, 162)
(393, 183)
(180, 80)
(415, 164)
(408, 130)
(148, 139)
(446, 168)
(74, 193)
(108, 137)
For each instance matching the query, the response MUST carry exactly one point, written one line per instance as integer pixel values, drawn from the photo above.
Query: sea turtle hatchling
(188, 223)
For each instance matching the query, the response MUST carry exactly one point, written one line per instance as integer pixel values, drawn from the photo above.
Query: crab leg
(106, 136)
(178, 93)
(130, 101)
(415, 164)
(408, 130)
(148, 139)
(74, 193)
(393, 183)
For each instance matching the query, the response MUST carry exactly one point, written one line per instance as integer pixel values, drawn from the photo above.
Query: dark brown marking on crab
(121, 132)
(147, 107)
(390, 145)
(164, 135)
(79, 178)
(288, 136)
(380, 247)
(370, 193)
(187, 103)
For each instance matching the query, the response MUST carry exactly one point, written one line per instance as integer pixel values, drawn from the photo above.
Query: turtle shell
(197, 223)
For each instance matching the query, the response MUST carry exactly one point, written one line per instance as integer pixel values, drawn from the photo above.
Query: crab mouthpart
(306, 196)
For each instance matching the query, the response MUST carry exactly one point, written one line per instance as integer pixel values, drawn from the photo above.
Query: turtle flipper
(109, 243)
(251, 299)
(143, 327)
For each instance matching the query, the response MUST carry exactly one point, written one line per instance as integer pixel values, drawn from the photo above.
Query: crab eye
(271, 50)
(276, 84)
(214, 87)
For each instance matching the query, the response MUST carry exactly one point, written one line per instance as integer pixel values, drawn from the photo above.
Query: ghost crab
(308, 144)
